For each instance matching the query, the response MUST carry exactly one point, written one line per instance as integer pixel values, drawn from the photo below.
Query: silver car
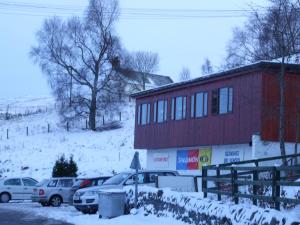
(86, 199)
(16, 189)
(54, 191)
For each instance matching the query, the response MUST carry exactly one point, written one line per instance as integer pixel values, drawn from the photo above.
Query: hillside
(96, 153)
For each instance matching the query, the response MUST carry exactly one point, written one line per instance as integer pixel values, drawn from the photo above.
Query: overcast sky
(179, 31)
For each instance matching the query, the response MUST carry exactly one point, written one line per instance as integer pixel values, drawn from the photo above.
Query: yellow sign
(204, 157)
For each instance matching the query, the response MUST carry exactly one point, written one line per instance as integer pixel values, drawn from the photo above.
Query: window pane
(184, 108)
(178, 111)
(172, 109)
(166, 110)
(205, 104)
(144, 114)
(139, 114)
(215, 102)
(192, 105)
(28, 182)
(199, 105)
(223, 100)
(154, 112)
(160, 111)
(52, 183)
(13, 182)
(230, 100)
(148, 114)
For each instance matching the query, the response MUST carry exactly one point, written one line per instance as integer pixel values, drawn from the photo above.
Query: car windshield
(117, 179)
(42, 182)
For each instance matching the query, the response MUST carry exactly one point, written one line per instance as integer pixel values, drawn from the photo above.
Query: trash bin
(111, 203)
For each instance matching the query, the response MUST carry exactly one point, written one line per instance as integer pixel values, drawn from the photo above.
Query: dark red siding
(233, 128)
(270, 109)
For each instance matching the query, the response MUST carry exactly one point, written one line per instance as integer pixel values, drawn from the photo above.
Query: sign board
(160, 160)
(193, 159)
(232, 156)
(135, 163)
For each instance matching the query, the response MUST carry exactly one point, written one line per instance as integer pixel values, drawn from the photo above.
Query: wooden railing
(228, 178)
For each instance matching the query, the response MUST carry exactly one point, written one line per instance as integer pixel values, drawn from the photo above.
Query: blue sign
(182, 160)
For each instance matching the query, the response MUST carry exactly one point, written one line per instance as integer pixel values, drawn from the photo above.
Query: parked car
(86, 199)
(86, 182)
(54, 191)
(16, 189)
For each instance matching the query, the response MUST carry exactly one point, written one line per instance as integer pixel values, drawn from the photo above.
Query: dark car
(86, 182)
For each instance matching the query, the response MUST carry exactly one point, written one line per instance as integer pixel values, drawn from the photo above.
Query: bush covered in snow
(193, 209)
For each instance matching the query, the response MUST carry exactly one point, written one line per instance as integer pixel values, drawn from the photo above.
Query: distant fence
(104, 123)
(266, 182)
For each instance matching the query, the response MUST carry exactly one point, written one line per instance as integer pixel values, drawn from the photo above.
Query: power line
(30, 9)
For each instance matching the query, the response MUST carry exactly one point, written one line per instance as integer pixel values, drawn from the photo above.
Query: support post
(255, 179)
(7, 134)
(204, 181)
(48, 127)
(276, 188)
(27, 131)
(218, 184)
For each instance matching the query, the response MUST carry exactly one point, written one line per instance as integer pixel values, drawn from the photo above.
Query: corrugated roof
(154, 79)
(257, 65)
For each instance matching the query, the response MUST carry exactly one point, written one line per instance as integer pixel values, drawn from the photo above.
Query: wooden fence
(228, 178)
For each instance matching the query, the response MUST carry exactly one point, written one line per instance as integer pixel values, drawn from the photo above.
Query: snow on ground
(70, 214)
(96, 153)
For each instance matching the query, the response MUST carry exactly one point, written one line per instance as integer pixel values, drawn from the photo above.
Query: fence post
(27, 131)
(234, 186)
(86, 124)
(255, 179)
(276, 187)
(204, 181)
(67, 126)
(103, 119)
(120, 116)
(7, 134)
(48, 126)
(218, 183)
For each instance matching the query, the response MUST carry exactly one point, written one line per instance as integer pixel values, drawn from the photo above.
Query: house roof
(153, 79)
(223, 74)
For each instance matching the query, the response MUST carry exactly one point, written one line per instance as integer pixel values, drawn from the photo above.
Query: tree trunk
(282, 111)
(71, 89)
(93, 109)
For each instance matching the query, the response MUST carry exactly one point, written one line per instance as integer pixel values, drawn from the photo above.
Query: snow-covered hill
(96, 153)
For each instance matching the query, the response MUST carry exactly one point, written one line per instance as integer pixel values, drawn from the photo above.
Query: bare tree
(206, 67)
(143, 62)
(76, 56)
(184, 74)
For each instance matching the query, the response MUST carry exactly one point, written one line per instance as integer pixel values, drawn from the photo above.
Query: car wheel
(44, 204)
(55, 201)
(4, 198)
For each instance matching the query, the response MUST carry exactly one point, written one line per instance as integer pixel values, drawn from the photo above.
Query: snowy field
(70, 214)
(96, 153)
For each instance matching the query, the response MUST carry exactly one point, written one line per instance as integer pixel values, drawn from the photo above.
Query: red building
(227, 116)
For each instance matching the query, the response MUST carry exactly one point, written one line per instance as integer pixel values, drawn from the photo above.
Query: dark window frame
(216, 98)
(194, 104)
(156, 111)
(183, 108)
(140, 114)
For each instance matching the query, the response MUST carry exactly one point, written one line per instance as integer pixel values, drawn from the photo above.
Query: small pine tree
(65, 168)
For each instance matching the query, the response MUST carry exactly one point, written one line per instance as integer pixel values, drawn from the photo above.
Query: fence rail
(229, 178)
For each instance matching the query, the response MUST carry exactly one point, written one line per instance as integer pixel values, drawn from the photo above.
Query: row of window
(221, 103)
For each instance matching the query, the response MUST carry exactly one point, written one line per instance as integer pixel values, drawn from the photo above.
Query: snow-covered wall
(263, 149)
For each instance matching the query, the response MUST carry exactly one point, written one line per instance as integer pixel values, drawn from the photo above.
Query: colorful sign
(193, 159)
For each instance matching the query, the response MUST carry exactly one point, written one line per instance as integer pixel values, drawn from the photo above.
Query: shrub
(65, 168)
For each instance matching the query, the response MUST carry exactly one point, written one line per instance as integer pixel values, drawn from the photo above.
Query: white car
(16, 189)
(86, 199)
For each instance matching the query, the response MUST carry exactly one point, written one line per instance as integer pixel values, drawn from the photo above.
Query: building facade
(224, 117)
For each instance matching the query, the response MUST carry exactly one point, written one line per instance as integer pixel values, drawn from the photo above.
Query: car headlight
(79, 193)
(90, 193)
